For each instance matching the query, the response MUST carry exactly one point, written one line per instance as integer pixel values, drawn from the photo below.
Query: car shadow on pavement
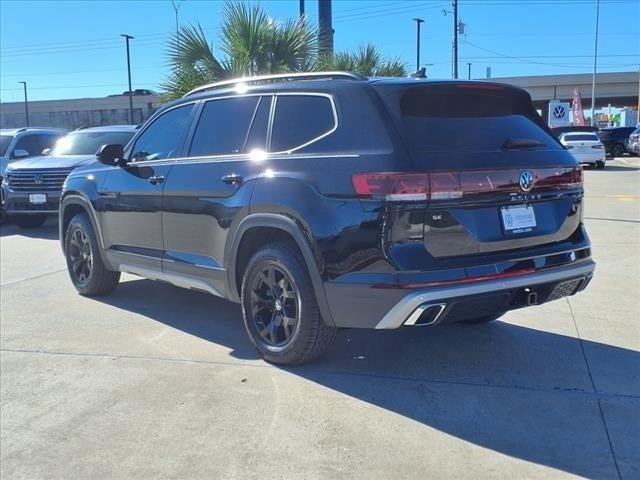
(49, 231)
(617, 168)
(519, 391)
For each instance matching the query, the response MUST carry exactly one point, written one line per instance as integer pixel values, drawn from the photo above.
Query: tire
(279, 308)
(481, 320)
(3, 216)
(618, 150)
(600, 165)
(87, 271)
(29, 221)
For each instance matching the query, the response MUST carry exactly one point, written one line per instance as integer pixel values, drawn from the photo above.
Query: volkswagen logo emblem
(526, 181)
(559, 112)
(38, 179)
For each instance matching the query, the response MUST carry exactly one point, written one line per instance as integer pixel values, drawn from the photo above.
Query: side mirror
(19, 153)
(111, 154)
(45, 152)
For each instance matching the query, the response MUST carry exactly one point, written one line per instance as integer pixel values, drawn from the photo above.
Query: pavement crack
(307, 373)
(595, 391)
(35, 277)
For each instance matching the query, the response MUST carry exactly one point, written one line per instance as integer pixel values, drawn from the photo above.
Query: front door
(211, 187)
(132, 195)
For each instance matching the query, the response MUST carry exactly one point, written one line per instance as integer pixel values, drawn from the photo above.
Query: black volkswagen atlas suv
(330, 200)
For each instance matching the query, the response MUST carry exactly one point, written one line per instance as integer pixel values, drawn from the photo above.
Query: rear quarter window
(300, 120)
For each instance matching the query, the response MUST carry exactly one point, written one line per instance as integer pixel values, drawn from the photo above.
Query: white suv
(20, 143)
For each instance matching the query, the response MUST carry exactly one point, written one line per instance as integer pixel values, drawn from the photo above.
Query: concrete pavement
(158, 382)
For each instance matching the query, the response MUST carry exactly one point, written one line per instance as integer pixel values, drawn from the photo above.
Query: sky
(73, 49)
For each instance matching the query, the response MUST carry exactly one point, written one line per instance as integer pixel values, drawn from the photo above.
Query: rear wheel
(3, 216)
(29, 221)
(280, 310)
(618, 150)
(481, 320)
(86, 269)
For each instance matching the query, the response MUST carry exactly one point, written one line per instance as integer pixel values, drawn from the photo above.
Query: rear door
(210, 187)
(496, 177)
(131, 196)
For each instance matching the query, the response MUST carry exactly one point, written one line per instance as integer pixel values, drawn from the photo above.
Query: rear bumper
(366, 306)
(591, 158)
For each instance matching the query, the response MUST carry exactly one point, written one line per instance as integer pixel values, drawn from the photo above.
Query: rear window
(580, 137)
(467, 117)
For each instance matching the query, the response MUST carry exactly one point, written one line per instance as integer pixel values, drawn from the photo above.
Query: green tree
(252, 43)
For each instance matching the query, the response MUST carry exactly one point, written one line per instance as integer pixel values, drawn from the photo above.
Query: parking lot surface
(154, 381)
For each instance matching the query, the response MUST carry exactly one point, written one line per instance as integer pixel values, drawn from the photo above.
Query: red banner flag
(576, 108)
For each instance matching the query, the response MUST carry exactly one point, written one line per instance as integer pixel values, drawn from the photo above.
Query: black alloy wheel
(80, 256)
(275, 308)
(618, 150)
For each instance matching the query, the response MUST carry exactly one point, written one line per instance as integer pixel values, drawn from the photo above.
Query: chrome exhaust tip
(425, 315)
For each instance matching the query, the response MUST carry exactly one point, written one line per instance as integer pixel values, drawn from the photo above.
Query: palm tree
(251, 43)
(366, 61)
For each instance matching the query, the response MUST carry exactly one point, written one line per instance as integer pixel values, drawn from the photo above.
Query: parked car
(585, 147)
(32, 187)
(558, 131)
(20, 143)
(615, 139)
(633, 144)
(330, 200)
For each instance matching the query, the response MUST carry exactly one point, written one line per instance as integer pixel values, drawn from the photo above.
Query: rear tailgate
(498, 180)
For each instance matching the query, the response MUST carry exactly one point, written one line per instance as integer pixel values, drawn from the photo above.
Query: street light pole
(418, 22)
(127, 38)
(595, 64)
(455, 39)
(468, 71)
(301, 8)
(176, 8)
(26, 102)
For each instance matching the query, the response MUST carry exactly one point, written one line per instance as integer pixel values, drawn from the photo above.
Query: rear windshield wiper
(521, 143)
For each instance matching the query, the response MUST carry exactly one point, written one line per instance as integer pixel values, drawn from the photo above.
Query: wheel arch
(281, 228)
(72, 204)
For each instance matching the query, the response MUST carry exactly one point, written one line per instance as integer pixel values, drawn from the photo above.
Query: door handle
(233, 179)
(154, 180)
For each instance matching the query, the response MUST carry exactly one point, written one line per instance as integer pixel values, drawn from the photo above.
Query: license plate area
(37, 198)
(518, 219)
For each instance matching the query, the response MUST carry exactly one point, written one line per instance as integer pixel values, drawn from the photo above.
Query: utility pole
(301, 8)
(325, 28)
(418, 22)
(176, 8)
(26, 102)
(468, 71)
(595, 65)
(455, 39)
(127, 38)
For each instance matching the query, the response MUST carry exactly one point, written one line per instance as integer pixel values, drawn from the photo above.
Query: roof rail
(280, 77)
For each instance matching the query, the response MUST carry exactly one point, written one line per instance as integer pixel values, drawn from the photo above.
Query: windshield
(88, 143)
(5, 140)
(581, 137)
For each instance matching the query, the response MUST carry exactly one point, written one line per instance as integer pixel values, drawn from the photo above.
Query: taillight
(392, 186)
(568, 147)
(439, 186)
(597, 147)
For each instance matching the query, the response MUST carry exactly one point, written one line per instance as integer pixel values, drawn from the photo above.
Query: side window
(223, 126)
(162, 138)
(300, 119)
(48, 140)
(30, 144)
(257, 138)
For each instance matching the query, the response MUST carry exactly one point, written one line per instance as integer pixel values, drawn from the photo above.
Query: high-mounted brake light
(443, 186)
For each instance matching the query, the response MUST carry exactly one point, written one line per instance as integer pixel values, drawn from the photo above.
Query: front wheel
(600, 165)
(86, 269)
(29, 221)
(279, 307)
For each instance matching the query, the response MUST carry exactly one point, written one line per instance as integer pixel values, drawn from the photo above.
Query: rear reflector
(442, 186)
